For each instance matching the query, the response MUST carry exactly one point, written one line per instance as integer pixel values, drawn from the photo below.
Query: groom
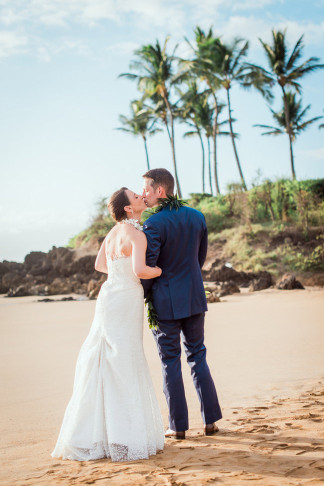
(177, 242)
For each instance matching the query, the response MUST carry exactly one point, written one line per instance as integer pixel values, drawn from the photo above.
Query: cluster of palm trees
(188, 91)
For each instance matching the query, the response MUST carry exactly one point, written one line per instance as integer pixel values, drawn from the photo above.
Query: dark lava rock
(20, 291)
(94, 287)
(3, 268)
(226, 273)
(63, 299)
(10, 280)
(84, 265)
(59, 286)
(213, 297)
(228, 288)
(264, 281)
(37, 263)
(289, 282)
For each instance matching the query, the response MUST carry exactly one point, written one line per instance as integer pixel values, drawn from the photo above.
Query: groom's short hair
(161, 177)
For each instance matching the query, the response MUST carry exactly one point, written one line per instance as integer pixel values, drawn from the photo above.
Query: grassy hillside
(275, 226)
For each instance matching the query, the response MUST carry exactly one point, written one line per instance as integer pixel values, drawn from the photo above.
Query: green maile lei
(170, 202)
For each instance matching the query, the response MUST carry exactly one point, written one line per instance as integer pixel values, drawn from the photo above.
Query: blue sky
(61, 98)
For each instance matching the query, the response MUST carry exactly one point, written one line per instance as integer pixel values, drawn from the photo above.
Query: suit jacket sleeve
(203, 246)
(152, 251)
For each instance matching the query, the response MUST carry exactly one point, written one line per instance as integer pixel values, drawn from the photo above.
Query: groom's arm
(202, 253)
(152, 251)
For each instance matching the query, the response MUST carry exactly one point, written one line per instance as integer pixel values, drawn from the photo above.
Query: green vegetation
(275, 226)
(99, 226)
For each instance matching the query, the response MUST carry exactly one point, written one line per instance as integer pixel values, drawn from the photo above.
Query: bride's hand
(160, 270)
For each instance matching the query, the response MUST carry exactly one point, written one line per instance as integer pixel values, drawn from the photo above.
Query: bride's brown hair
(117, 201)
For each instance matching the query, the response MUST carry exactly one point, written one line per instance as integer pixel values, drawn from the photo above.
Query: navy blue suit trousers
(167, 337)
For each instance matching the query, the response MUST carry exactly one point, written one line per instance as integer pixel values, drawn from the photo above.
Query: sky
(61, 98)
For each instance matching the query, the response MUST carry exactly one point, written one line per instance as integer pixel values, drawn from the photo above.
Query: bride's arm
(101, 261)
(141, 270)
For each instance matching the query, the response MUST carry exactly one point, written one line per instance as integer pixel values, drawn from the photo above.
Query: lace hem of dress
(100, 450)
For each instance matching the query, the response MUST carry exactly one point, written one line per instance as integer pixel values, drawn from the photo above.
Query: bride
(113, 411)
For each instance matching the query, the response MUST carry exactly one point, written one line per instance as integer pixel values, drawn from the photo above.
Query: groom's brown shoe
(211, 429)
(179, 435)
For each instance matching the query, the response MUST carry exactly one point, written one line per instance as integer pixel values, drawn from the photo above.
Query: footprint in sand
(265, 429)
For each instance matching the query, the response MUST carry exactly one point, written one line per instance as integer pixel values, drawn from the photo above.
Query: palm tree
(156, 79)
(297, 124)
(207, 123)
(141, 123)
(231, 69)
(284, 71)
(321, 126)
(204, 65)
(191, 109)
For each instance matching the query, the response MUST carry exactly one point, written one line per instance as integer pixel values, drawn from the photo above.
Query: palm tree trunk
(167, 129)
(292, 165)
(203, 159)
(233, 139)
(146, 152)
(292, 159)
(209, 168)
(172, 145)
(215, 145)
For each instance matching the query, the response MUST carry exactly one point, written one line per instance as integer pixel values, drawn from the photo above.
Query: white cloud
(66, 44)
(151, 17)
(63, 12)
(251, 4)
(253, 27)
(12, 43)
(250, 28)
(43, 54)
(123, 47)
(314, 33)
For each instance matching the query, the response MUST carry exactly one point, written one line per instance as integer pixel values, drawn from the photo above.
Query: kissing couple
(113, 411)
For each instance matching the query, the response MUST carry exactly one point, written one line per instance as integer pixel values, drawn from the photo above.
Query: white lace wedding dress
(113, 411)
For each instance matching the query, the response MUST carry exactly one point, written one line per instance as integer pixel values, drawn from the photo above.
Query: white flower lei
(133, 222)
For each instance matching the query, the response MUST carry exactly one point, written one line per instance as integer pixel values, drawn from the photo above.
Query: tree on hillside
(154, 71)
(141, 123)
(285, 70)
(297, 125)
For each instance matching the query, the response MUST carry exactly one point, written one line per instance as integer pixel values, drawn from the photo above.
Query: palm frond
(296, 53)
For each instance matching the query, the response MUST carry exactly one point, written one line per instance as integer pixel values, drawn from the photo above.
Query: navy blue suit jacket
(177, 242)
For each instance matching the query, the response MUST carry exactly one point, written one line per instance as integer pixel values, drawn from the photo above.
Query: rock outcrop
(60, 271)
(221, 280)
(262, 282)
(226, 273)
(66, 271)
(289, 282)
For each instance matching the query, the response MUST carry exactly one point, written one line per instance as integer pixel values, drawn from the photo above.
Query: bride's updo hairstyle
(116, 204)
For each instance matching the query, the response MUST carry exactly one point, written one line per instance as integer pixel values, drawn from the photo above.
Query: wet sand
(265, 351)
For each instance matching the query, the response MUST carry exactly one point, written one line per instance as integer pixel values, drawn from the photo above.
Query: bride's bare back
(119, 241)
(124, 240)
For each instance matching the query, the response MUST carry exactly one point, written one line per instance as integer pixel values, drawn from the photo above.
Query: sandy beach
(265, 351)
